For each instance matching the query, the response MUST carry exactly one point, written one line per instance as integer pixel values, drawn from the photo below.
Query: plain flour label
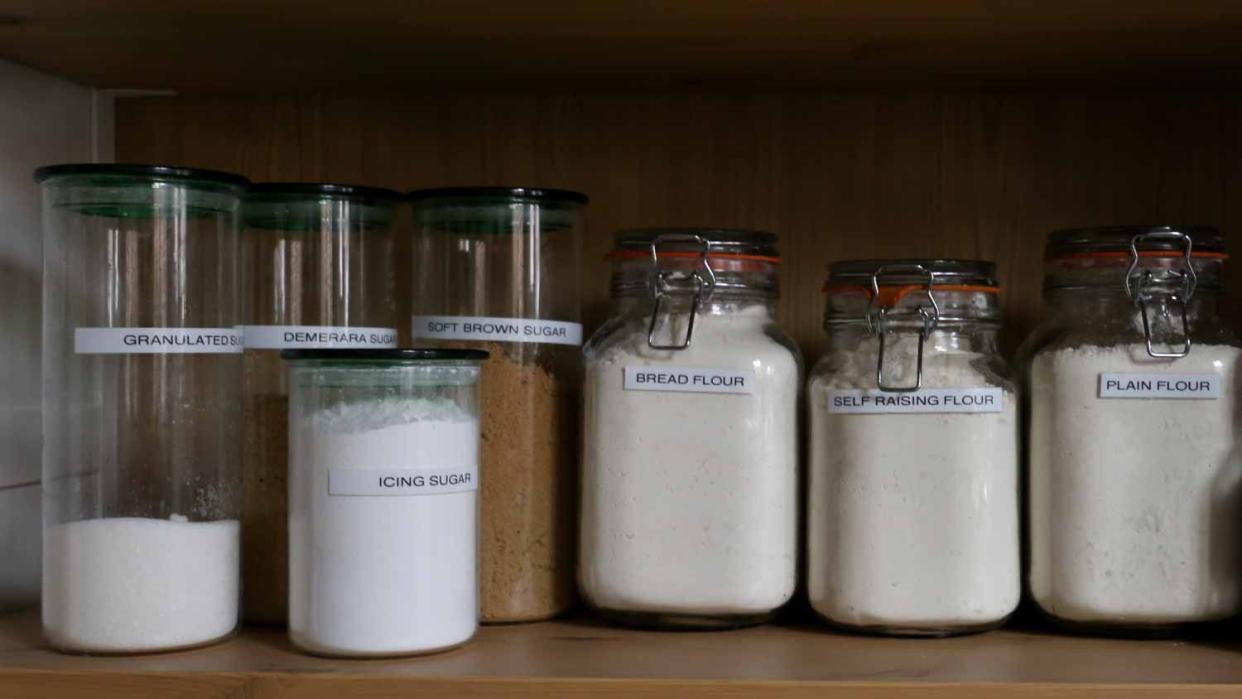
(496, 329)
(926, 400)
(688, 380)
(402, 481)
(157, 341)
(1176, 386)
(317, 337)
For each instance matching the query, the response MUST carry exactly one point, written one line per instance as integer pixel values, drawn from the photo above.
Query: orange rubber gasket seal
(891, 295)
(640, 254)
(1117, 254)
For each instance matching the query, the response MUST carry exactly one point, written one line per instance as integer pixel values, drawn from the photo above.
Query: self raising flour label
(402, 481)
(688, 380)
(317, 337)
(1176, 386)
(496, 329)
(927, 400)
(157, 340)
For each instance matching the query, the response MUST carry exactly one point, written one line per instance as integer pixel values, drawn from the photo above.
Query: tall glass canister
(142, 382)
(497, 269)
(317, 263)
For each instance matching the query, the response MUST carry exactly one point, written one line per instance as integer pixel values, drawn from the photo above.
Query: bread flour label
(157, 340)
(924, 400)
(1174, 386)
(688, 380)
(317, 337)
(403, 481)
(554, 332)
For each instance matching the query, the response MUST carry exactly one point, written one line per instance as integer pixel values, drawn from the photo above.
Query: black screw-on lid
(537, 194)
(155, 172)
(282, 190)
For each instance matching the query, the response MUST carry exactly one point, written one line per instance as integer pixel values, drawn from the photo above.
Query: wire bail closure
(1144, 285)
(879, 317)
(668, 283)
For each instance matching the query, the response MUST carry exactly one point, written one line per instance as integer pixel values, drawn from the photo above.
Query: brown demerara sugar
(264, 520)
(528, 481)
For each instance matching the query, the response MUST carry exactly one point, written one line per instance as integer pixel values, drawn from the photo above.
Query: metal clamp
(668, 283)
(1141, 287)
(879, 317)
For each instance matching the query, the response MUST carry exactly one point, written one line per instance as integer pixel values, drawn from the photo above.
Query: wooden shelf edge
(214, 685)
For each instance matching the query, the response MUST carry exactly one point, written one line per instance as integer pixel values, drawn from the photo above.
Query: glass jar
(142, 407)
(317, 273)
(1134, 476)
(497, 269)
(383, 506)
(690, 468)
(913, 481)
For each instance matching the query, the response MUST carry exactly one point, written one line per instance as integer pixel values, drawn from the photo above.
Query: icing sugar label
(925, 400)
(157, 340)
(317, 337)
(1175, 386)
(403, 481)
(683, 379)
(496, 329)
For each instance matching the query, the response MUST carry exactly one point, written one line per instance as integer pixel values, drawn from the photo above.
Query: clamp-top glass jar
(689, 493)
(913, 480)
(1134, 476)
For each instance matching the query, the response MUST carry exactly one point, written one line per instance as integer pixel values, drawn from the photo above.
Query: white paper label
(496, 329)
(157, 340)
(688, 379)
(403, 481)
(317, 337)
(926, 400)
(1176, 386)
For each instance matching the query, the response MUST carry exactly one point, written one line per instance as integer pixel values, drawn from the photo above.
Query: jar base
(1138, 631)
(684, 622)
(322, 652)
(110, 653)
(897, 630)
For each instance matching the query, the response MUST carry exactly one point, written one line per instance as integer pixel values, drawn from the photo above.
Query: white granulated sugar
(912, 517)
(381, 574)
(129, 584)
(689, 500)
(1135, 504)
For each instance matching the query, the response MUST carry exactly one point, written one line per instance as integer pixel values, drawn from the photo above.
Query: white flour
(129, 584)
(382, 574)
(1136, 504)
(689, 500)
(912, 518)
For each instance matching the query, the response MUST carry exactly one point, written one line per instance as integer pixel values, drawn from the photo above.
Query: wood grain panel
(618, 44)
(837, 175)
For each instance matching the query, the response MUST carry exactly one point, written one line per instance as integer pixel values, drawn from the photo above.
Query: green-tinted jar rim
(380, 354)
(108, 173)
(280, 191)
(525, 194)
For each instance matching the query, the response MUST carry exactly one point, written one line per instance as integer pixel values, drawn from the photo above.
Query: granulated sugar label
(1175, 386)
(926, 400)
(688, 380)
(402, 481)
(554, 332)
(317, 337)
(157, 340)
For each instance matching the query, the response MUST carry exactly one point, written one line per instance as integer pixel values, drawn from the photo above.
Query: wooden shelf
(570, 658)
(296, 44)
